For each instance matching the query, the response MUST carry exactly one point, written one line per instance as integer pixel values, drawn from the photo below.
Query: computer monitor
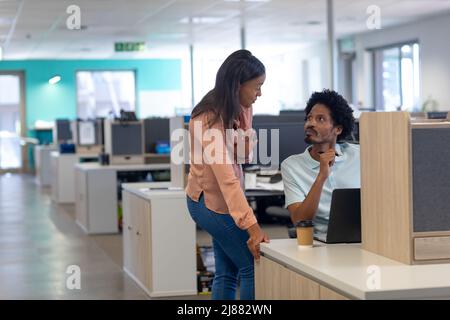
(124, 141)
(291, 141)
(437, 115)
(265, 118)
(156, 130)
(367, 109)
(293, 112)
(126, 138)
(354, 135)
(127, 115)
(89, 132)
(62, 131)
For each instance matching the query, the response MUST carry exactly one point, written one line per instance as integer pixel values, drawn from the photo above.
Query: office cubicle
(156, 131)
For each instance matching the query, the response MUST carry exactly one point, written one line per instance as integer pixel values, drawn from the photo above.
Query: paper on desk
(268, 172)
(86, 132)
(160, 188)
(278, 186)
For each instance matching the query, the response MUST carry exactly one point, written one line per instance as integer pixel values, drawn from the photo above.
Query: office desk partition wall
(89, 136)
(405, 183)
(293, 112)
(291, 137)
(263, 118)
(63, 131)
(124, 141)
(156, 130)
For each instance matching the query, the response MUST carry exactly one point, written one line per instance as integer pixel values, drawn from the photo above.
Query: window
(396, 77)
(10, 151)
(104, 93)
(293, 73)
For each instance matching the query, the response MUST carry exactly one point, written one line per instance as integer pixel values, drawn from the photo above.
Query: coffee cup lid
(305, 224)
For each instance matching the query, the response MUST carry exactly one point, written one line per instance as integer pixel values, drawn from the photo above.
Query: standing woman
(215, 193)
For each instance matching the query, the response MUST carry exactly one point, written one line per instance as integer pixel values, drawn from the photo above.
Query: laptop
(344, 224)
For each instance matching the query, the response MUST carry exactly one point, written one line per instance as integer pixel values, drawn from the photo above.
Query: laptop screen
(344, 225)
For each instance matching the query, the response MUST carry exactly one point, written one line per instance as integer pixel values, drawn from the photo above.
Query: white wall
(433, 35)
(292, 75)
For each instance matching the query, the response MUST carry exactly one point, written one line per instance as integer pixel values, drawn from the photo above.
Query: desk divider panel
(386, 184)
(431, 178)
(405, 184)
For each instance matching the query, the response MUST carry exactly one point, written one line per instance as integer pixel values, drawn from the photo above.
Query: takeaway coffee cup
(305, 233)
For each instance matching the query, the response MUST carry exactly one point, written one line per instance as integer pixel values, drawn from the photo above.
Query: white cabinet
(96, 201)
(159, 241)
(63, 175)
(42, 164)
(96, 189)
(63, 190)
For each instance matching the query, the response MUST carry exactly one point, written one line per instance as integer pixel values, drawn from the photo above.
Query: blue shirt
(300, 172)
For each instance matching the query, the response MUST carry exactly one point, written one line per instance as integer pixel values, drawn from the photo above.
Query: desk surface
(348, 268)
(49, 147)
(144, 190)
(126, 167)
(262, 193)
(57, 154)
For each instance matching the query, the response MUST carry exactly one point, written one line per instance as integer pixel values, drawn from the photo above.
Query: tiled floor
(39, 240)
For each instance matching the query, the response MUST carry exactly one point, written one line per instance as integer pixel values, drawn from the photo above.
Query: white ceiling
(36, 29)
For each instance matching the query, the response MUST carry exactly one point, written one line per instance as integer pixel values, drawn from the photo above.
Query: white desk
(42, 164)
(159, 241)
(343, 271)
(96, 189)
(63, 175)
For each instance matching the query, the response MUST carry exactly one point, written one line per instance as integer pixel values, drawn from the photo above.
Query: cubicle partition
(124, 141)
(290, 138)
(88, 136)
(156, 130)
(405, 183)
(157, 140)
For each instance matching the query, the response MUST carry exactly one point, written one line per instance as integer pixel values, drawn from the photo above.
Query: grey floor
(39, 240)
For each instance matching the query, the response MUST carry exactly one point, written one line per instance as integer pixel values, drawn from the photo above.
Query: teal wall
(48, 102)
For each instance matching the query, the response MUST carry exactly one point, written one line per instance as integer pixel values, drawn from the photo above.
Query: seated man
(329, 163)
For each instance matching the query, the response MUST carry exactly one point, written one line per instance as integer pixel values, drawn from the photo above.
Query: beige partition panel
(274, 281)
(328, 294)
(386, 204)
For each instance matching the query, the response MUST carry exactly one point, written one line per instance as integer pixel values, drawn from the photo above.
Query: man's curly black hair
(341, 112)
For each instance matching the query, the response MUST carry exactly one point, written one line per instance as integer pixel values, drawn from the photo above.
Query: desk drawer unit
(432, 248)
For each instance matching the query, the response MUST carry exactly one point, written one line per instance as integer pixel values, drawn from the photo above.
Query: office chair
(282, 214)
(278, 212)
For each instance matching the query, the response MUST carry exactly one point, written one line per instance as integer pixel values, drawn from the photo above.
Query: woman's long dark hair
(223, 100)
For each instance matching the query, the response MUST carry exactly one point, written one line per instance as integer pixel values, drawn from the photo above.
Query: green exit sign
(129, 46)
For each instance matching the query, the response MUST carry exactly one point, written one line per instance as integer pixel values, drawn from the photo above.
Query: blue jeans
(232, 257)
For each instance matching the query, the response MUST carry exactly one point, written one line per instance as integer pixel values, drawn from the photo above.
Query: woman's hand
(256, 237)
